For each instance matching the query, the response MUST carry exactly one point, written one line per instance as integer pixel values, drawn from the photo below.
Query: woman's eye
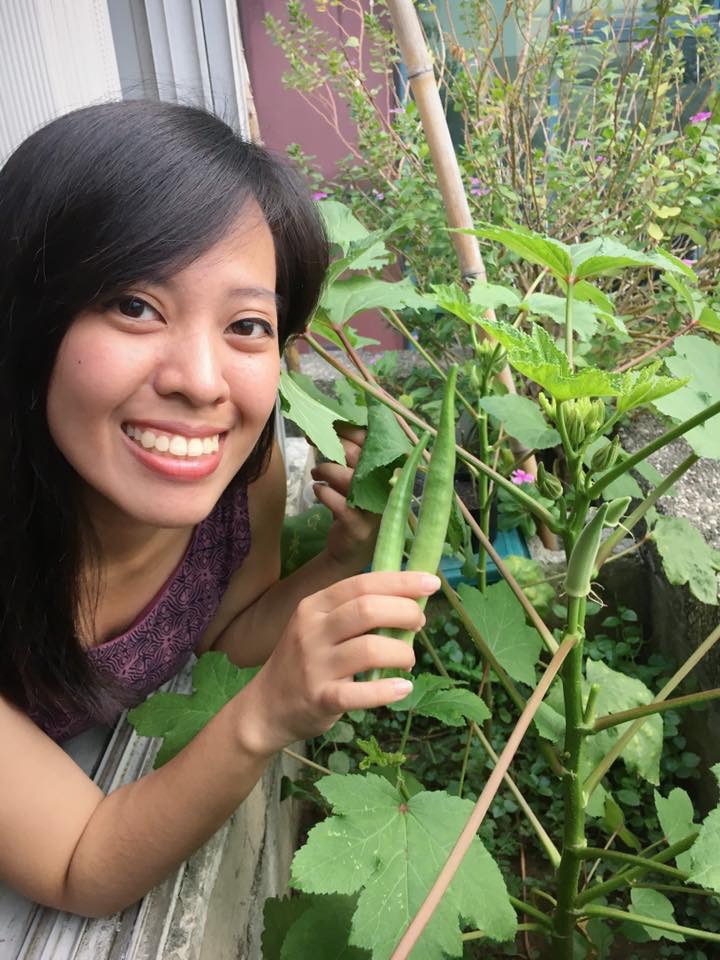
(252, 328)
(135, 308)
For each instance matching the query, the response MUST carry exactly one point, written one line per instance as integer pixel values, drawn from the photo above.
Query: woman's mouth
(172, 444)
(175, 455)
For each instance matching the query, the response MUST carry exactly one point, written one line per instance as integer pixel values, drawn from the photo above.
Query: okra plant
(366, 880)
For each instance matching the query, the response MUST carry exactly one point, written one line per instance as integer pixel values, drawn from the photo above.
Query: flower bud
(548, 407)
(548, 484)
(605, 457)
(598, 416)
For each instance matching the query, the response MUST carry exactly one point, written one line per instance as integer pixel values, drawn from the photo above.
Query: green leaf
(546, 305)
(384, 447)
(652, 903)
(644, 386)
(278, 916)
(587, 291)
(602, 937)
(361, 248)
(438, 697)
(686, 557)
(344, 403)
(303, 537)
(390, 850)
(676, 816)
(322, 931)
(541, 360)
(179, 717)
(345, 298)
(619, 692)
(375, 756)
(532, 247)
(709, 319)
(501, 622)
(314, 418)
(705, 852)
(490, 296)
(696, 360)
(340, 732)
(604, 255)
(320, 326)
(522, 419)
(614, 820)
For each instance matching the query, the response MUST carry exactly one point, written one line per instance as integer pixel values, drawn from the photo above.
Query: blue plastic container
(507, 543)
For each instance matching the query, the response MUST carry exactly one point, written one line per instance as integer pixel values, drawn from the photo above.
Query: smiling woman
(154, 265)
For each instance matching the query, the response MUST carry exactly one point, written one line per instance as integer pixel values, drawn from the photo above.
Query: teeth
(176, 445)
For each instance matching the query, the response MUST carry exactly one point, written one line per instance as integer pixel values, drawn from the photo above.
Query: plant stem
(531, 911)
(677, 703)
(568, 875)
(535, 508)
(395, 321)
(675, 888)
(466, 755)
(304, 760)
(620, 468)
(625, 877)
(484, 497)
(521, 928)
(569, 320)
(611, 913)
(656, 349)
(406, 732)
(590, 853)
(422, 918)
(550, 849)
(602, 768)
(639, 512)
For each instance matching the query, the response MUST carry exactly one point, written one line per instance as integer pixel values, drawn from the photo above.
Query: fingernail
(402, 688)
(430, 583)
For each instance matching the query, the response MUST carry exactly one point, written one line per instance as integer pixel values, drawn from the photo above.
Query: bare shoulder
(45, 804)
(261, 567)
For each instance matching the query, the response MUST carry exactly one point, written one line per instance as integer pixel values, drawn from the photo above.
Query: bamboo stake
(421, 74)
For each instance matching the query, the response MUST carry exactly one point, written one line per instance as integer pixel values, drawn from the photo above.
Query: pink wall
(285, 118)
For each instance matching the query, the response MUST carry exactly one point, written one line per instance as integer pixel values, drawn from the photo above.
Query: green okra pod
(582, 559)
(391, 536)
(438, 493)
(435, 508)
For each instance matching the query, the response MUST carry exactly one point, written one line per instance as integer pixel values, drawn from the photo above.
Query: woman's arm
(257, 605)
(64, 844)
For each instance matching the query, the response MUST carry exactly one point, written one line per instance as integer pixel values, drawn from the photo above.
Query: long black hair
(94, 202)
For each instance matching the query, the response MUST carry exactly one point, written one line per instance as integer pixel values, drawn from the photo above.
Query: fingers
(370, 652)
(380, 583)
(367, 613)
(367, 695)
(338, 477)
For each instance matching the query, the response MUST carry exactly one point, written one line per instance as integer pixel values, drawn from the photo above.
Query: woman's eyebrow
(262, 292)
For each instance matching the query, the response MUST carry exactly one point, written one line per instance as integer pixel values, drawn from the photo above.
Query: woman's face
(157, 398)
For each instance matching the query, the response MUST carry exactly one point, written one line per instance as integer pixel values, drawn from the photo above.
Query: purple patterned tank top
(159, 642)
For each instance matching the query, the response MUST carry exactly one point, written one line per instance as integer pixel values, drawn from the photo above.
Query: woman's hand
(352, 535)
(307, 683)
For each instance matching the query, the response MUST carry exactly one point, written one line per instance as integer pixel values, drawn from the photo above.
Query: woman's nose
(191, 367)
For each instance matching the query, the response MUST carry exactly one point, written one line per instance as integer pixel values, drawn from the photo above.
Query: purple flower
(583, 143)
(700, 117)
(396, 110)
(641, 44)
(689, 263)
(476, 189)
(519, 477)
(599, 159)
(378, 194)
(319, 195)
